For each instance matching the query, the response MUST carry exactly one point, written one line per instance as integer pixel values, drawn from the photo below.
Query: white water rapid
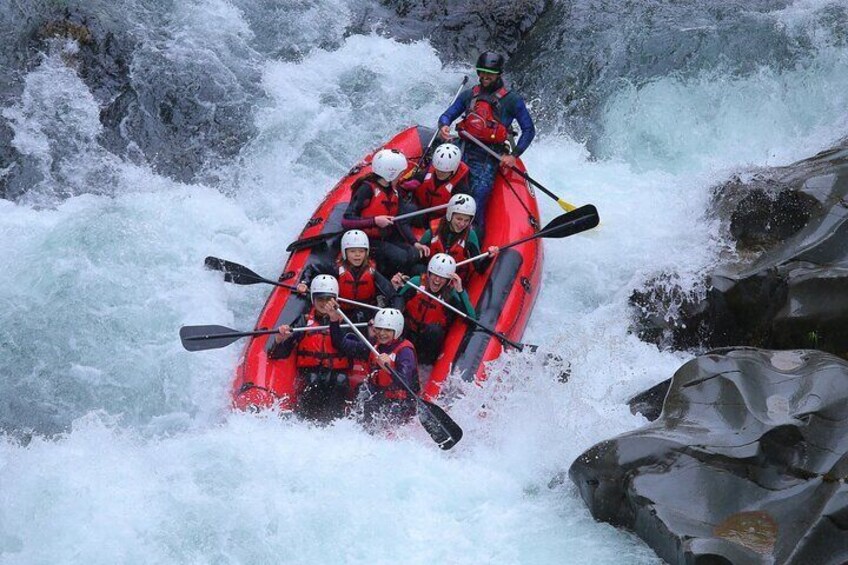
(135, 456)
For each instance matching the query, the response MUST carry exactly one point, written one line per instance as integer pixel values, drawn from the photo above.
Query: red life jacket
(383, 379)
(434, 192)
(482, 119)
(422, 310)
(316, 350)
(458, 250)
(382, 203)
(362, 289)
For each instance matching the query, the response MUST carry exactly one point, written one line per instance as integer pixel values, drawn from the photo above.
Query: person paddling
(447, 175)
(452, 234)
(358, 278)
(382, 397)
(322, 368)
(372, 208)
(427, 320)
(488, 111)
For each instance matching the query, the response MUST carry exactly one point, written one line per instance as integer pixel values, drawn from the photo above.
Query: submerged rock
(746, 464)
(793, 221)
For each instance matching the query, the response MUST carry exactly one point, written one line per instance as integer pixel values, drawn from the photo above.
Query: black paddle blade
(233, 272)
(201, 338)
(441, 427)
(308, 242)
(579, 220)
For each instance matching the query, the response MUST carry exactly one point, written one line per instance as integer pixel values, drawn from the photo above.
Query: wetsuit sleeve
(403, 228)
(461, 302)
(473, 245)
(347, 342)
(281, 350)
(407, 368)
(352, 219)
(385, 288)
(528, 130)
(456, 109)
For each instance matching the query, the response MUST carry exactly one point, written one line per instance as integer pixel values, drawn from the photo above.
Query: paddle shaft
(569, 222)
(314, 240)
(395, 377)
(259, 332)
(239, 274)
(420, 212)
(461, 314)
(476, 257)
(345, 300)
(536, 235)
(436, 133)
(527, 177)
(441, 427)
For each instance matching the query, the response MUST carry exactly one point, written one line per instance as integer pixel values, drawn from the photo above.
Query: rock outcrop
(746, 464)
(793, 221)
(457, 29)
(177, 101)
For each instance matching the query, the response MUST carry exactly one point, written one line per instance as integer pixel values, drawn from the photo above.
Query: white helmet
(324, 285)
(354, 239)
(388, 164)
(389, 319)
(461, 204)
(442, 264)
(446, 158)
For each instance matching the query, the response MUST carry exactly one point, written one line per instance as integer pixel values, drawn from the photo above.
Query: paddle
(239, 274)
(481, 325)
(420, 162)
(564, 225)
(201, 338)
(441, 427)
(314, 240)
(562, 203)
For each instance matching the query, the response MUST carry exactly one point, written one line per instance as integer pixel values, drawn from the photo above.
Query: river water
(119, 447)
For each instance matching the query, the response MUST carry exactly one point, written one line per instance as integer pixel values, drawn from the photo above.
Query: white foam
(155, 470)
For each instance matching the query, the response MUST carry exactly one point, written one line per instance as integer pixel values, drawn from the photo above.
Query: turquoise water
(137, 458)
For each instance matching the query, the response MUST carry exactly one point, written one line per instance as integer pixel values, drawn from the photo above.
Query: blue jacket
(512, 107)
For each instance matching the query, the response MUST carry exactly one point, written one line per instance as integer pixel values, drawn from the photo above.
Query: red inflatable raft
(503, 296)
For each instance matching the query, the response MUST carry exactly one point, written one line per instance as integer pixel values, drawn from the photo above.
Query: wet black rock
(649, 402)
(178, 114)
(746, 464)
(457, 29)
(767, 216)
(167, 99)
(790, 287)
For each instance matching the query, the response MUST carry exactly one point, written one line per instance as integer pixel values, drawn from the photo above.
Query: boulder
(747, 462)
(790, 290)
(457, 29)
